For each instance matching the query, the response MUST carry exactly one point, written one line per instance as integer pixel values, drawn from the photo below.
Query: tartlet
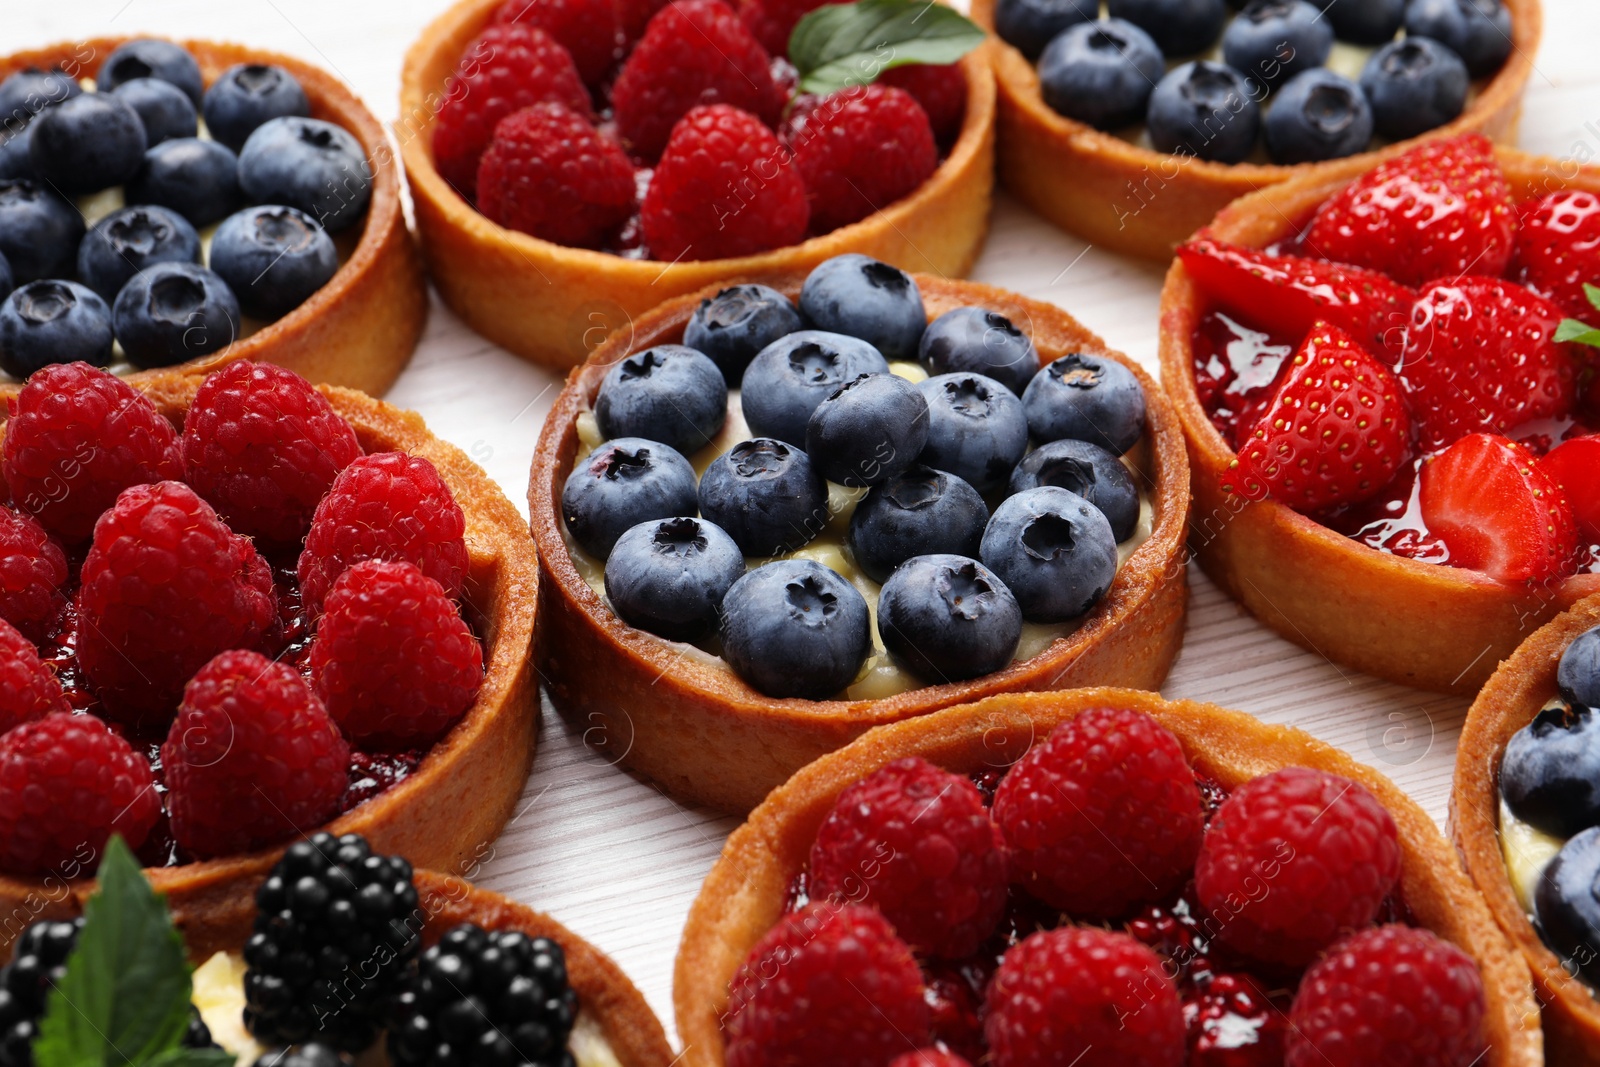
(1421, 624)
(358, 330)
(552, 304)
(747, 890)
(1131, 199)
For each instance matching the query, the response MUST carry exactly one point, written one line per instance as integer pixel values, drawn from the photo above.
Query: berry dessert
(1132, 127)
(1390, 417)
(168, 205)
(238, 608)
(642, 150)
(1095, 878)
(868, 495)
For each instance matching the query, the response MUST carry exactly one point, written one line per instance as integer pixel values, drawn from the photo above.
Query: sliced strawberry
(1488, 500)
(1286, 294)
(1558, 248)
(1438, 211)
(1336, 431)
(1575, 466)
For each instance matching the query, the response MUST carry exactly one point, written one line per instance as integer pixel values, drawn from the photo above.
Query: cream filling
(1527, 851)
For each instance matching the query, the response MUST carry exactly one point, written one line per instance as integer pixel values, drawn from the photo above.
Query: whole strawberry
(1499, 510)
(860, 150)
(929, 1057)
(941, 89)
(1558, 248)
(29, 689)
(587, 29)
(33, 570)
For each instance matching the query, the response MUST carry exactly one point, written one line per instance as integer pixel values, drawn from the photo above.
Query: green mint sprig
(840, 45)
(1581, 332)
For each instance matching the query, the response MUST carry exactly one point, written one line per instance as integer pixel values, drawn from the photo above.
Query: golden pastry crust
(1129, 199)
(745, 893)
(552, 304)
(1420, 624)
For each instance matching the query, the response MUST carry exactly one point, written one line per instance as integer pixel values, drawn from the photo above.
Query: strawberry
(1337, 429)
(1558, 248)
(1575, 467)
(1438, 211)
(1496, 509)
(1284, 295)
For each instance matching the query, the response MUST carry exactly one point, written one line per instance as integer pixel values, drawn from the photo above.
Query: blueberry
(1205, 110)
(1087, 398)
(668, 393)
(767, 495)
(918, 513)
(868, 430)
(1089, 471)
(794, 628)
(948, 618)
(1180, 27)
(1567, 905)
(174, 312)
(669, 576)
(621, 484)
(979, 341)
(1414, 85)
(16, 158)
(272, 258)
(1578, 677)
(1365, 21)
(52, 321)
(197, 179)
(31, 90)
(88, 143)
(859, 296)
(737, 323)
(7, 281)
(1101, 73)
(788, 379)
(1479, 31)
(976, 429)
(39, 230)
(1550, 773)
(248, 94)
(1318, 115)
(307, 164)
(130, 239)
(1054, 550)
(149, 57)
(1273, 40)
(1029, 25)
(163, 108)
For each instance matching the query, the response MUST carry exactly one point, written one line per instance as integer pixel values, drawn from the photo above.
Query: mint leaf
(1593, 293)
(841, 45)
(1580, 332)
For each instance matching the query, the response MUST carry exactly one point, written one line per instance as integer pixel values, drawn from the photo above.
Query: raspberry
(77, 437)
(508, 68)
(916, 843)
(29, 689)
(941, 89)
(693, 52)
(67, 783)
(263, 446)
(929, 1057)
(859, 150)
(1103, 816)
(385, 506)
(1395, 994)
(587, 29)
(32, 571)
(725, 187)
(634, 15)
(392, 659)
(1084, 997)
(252, 758)
(1294, 859)
(773, 21)
(827, 985)
(166, 586)
(551, 174)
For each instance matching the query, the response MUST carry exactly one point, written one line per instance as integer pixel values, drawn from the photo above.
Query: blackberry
(199, 1034)
(488, 999)
(39, 962)
(337, 931)
(312, 1055)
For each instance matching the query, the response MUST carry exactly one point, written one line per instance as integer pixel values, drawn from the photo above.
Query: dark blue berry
(130, 239)
(668, 576)
(8, 281)
(88, 143)
(174, 312)
(979, 341)
(1029, 25)
(948, 618)
(1205, 110)
(1550, 773)
(149, 57)
(1054, 550)
(163, 108)
(1365, 21)
(309, 1055)
(1089, 471)
(249, 94)
(737, 323)
(52, 321)
(788, 379)
(868, 430)
(40, 231)
(859, 296)
(307, 164)
(621, 484)
(1578, 676)
(1318, 115)
(197, 179)
(273, 258)
(767, 495)
(1087, 398)
(1180, 27)
(38, 963)
(1479, 31)
(1273, 40)
(976, 429)
(1414, 85)
(668, 393)
(918, 513)
(16, 156)
(1567, 906)
(794, 628)
(31, 90)
(1101, 73)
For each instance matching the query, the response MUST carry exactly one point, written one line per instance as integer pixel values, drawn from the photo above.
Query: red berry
(828, 984)
(587, 29)
(1103, 816)
(32, 571)
(632, 16)
(941, 89)
(387, 505)
(67, 783)
(166, 586)
(551, 174)
(773, 21)
(1085, 997)
(508, 68)
(78, 436)
(263, 447)
(861, 149)
(29, 689)
(915, 842)
(252, 758)
(1294, 859)
(694, 52)
(1575, 467)
(1558, 249)
(1395, 994)
(929, 1057)
(725, 187)
(1438, 211)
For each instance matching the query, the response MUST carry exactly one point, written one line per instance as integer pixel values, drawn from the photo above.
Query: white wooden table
(607, 853)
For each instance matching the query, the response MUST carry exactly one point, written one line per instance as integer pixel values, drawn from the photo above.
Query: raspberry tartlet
(1384, 476)
(929, 588)
(553, 300)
